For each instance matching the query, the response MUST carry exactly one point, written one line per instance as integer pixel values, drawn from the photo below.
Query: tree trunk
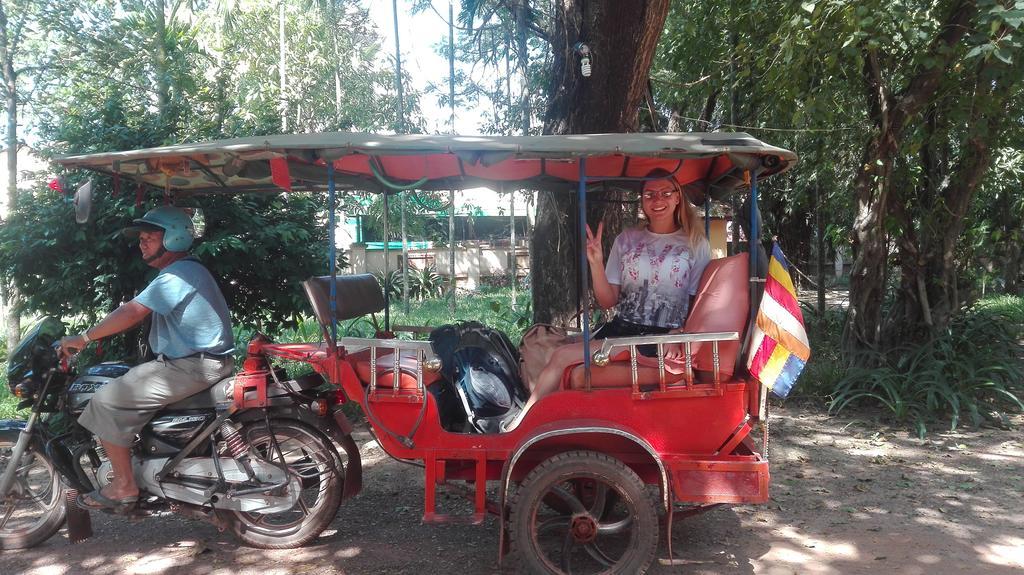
(522, 10)
(622, 37)
(8, 293)
(890, 114)
(941, 231)
(282, 67)
(163, 84)
(1011, 268)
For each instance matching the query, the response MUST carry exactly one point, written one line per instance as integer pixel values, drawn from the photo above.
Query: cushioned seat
(722, 304)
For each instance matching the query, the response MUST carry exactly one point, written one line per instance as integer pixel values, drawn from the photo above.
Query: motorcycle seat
(223, 392)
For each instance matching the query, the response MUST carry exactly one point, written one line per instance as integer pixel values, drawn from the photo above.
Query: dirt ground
(848, 496)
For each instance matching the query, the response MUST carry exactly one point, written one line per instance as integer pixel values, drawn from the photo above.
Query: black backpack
(481, 366)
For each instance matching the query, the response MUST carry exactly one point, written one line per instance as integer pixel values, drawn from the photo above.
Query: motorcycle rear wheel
(309, 455)
(34, 509)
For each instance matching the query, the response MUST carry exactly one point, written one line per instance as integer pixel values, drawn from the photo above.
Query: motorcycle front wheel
(308, 455)
(34, 508)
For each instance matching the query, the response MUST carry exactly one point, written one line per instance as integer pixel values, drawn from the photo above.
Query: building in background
(483, 249)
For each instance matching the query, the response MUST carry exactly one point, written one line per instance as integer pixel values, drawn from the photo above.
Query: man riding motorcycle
(190, 335)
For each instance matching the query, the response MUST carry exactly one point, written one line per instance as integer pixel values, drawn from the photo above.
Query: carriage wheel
(613, 531)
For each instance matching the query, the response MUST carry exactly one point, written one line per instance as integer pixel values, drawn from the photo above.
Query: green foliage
(390, 282)
(422, 209)
(975, 370)
(8, 403)
(825, 368)
(117, 84)
(491, 307)
(513, 90)
(426, 283)
(66, 269)
(214, 73)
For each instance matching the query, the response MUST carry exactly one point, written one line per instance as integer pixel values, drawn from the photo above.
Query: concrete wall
(473, 259)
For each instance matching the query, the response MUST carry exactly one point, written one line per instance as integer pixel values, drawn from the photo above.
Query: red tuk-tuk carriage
(572, 480)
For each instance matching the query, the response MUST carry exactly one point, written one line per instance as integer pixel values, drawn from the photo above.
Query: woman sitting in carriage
(650, 278)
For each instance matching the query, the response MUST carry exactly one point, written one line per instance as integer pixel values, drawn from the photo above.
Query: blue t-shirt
(656, 275)
(189, 312)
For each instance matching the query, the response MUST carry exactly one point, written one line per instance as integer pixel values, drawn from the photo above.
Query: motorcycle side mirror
(83, 202)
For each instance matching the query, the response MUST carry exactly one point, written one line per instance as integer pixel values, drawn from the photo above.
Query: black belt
(214, 356)
(200, 355)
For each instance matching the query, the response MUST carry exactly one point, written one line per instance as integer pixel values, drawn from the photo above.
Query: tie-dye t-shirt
(656, 275)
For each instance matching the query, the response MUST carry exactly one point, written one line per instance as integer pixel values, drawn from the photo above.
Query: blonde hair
(687, 218)
(686, 213)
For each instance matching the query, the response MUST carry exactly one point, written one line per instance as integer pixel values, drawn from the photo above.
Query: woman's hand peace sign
(595, 254)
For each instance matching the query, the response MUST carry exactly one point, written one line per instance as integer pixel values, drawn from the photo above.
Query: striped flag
(778, 345)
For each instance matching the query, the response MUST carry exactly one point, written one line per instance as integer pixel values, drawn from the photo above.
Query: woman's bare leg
(550, 377)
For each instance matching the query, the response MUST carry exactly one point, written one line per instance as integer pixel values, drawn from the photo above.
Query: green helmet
(174, 222)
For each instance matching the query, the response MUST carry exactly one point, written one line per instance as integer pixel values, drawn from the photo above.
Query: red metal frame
(693, 442)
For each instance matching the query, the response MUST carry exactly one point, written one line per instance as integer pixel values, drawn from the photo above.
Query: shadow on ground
(848, 496)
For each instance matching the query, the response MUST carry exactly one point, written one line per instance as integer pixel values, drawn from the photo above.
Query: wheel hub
(583, 528)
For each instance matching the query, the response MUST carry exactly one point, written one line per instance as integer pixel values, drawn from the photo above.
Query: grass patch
(490, 306)
(973, 371)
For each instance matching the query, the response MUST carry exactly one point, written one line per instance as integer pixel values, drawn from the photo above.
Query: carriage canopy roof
(704, 163)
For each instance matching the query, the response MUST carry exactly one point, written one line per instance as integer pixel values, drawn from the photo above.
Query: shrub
(391, 283)
(825, 367)
(975, 370)
(426, 283)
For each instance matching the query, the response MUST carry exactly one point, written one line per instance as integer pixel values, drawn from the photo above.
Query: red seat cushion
(722, 304)
(385, 369)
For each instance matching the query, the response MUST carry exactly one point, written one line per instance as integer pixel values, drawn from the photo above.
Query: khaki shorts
(120, 409)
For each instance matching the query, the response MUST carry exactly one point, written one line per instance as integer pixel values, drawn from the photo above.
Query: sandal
(98, 501)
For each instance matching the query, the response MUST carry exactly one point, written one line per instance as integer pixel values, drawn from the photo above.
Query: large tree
(895, 108)
(540, 43)
(18, 24)
(621, 38)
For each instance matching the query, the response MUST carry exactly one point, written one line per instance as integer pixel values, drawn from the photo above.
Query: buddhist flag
(778, 345)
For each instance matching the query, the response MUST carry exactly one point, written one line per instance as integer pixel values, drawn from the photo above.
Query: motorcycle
(249, 458)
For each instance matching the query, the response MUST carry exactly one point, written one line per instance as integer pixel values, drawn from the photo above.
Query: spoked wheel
(311, 458)
(34, 508)
(583, 512)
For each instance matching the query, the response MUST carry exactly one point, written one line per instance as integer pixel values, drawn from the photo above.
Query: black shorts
(622, 328)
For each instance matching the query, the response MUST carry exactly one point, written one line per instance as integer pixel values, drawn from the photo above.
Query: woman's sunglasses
(663, 194)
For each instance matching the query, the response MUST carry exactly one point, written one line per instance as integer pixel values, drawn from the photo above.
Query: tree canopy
(905, 114)
(140, 73)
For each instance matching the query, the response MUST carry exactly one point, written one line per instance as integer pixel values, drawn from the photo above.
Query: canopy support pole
(755, 244)
(707, 217)
(451, 251)
(387, 264)
(512, 243)
(405, 257)
(332, 203)
(584, 270)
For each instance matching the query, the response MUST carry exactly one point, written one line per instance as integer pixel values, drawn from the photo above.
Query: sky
(419, 34)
